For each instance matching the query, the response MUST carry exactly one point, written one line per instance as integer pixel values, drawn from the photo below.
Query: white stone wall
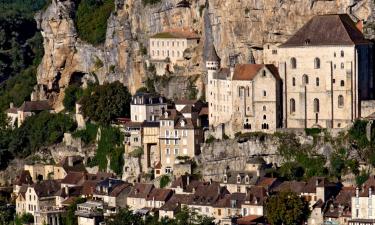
(337, 74)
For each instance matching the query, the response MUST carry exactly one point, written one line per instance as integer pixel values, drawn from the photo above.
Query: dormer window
(182, 123)
(307, 41)
(238, 179)
(247, 179)
(166, 114)
(225, 179)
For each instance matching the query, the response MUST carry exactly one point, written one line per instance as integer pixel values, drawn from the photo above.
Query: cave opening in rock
(77, 78)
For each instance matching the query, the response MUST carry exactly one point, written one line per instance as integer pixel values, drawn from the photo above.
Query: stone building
(180, 135)
(18, 115)
(362, 203)
(147, 107)
(167, 48)
(327, 70)
(247, 97)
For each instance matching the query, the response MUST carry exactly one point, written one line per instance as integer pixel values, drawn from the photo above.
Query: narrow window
(264, 117)
(316, 105)
(264, 93)
(305, 79)
(342, 66)
(293, 63)
(317, 81)
(342, 53)
(341, 101)
(294, 81)
(317, 63)
(292, 104)
(264, 108)
(342, 83)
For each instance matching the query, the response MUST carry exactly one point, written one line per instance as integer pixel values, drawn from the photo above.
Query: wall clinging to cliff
(238, 28)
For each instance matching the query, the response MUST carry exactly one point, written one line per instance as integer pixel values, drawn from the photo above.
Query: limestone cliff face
(238, 28)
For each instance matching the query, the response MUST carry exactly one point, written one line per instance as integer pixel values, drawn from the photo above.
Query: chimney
(66, 190)
(357, 192)
(70, 160)
(317, 182)
(11, 105)
(218, 189)
(187, 180)
(359, 25)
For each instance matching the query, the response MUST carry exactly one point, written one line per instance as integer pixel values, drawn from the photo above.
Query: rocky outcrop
(238, 28)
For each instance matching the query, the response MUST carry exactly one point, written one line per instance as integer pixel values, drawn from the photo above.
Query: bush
(164, 181)
(210, 139)
(38, 131)
(136, 153)
(312, 131)
(357, 134)
(88, 135)
(104, 103)
(72, 94)
(91, 19)
(111, 145)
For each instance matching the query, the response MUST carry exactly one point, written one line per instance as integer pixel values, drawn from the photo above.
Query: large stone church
(327, 70)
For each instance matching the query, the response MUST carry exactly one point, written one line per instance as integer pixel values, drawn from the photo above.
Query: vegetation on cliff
(21, 49)
(37, 131)
(104, 103)
(287, 208)
(91, 19)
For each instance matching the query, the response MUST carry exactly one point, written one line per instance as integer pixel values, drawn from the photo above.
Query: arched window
(342, 53)
(317, 81)
(294, 81)
(264, 93)
(342, 66)
(292, 104)
(264, 117)
(293, 63)
(305, 79)
(317, 63)
(341, 101)
(248, 91)
(342, 83)
(264, 108)
(316, 105)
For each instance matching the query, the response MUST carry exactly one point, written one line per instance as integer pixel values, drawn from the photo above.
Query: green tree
(125, 217)
(72, 94)
(107, 102)
(91, 19)
(286, 208)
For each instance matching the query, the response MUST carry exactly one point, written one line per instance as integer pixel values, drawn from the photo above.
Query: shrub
(104, 103)
(164, 181)
(210, 139)
(98, 63)
(150, 2)
(201, 8)
(136, 153)
(87, 135)
(72, 94)
(111, 145)
(312, 131)
(112, 68)
(91, 20)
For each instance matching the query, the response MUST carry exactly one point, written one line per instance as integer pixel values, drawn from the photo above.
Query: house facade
(247, 97)
(326, 68)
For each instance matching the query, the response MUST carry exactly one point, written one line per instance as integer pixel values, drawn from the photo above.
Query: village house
(362, 203)
(205, 196)
(42, 194)
(68, 164)
(18, 115)
(327, 73)
(180, 136)
(147, 107)
(112, 192)
(254, 201)
(158, 197)
(339, 209)
(24, 178)
(228, 207)
(173, 206)
(137, 198)
(244, 97)
(240, 181)
(90, 213)
(166, 49)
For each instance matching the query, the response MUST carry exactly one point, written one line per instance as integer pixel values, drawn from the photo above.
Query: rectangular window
(185, 133)
(176, 133)
(176, 151)
(166, 133)
(167, 141)
(176, 142)
(167, 151)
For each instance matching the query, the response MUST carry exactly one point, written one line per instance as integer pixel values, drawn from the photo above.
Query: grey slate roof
(333, 29)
